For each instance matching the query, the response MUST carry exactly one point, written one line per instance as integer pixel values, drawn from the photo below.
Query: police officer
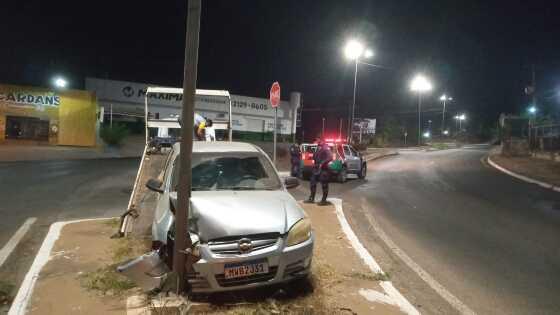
(320, 172)
(295, 159)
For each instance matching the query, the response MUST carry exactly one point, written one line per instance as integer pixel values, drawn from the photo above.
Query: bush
(113, 136)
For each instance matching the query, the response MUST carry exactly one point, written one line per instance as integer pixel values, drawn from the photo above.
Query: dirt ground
(539, 169)
(79, 278)
(82, 250)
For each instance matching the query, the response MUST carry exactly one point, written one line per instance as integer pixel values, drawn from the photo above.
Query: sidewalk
(377, 153)
(537, 169)
(11, 152)
(78, 277)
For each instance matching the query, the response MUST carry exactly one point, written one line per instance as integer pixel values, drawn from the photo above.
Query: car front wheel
(341, 178)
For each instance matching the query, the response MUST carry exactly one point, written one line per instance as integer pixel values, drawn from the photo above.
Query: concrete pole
(182, 261)
(351, 125)
(111, 117)
(419, 118)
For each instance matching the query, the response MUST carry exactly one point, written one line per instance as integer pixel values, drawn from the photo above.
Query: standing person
(209, 131)
(320, 172)
(295, 159)
(199, 125)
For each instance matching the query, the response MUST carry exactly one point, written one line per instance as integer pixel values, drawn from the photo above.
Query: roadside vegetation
(114, 135)
(106, 280)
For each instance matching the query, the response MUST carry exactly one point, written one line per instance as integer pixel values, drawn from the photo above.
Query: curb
(522, 177)
(20, 302)
(381, 156)
(391, 292)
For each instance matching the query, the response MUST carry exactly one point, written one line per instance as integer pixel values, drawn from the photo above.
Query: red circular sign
(275, 94)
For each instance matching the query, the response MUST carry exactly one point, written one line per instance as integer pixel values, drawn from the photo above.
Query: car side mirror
(154, 184)
(291, 182)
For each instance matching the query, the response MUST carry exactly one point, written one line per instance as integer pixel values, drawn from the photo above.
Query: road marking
(20, 302)
(15, 239)
(523, 178)
(397, 298)
(446, 295)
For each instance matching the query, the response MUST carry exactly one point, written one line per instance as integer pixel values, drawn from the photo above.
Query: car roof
(219, 146)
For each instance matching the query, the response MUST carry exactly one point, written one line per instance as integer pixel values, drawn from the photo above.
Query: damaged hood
(218, 214)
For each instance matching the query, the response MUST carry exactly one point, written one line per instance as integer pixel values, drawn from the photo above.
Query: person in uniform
(320, 172)
(295, 159)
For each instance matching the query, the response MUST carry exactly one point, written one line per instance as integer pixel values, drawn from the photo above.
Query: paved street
(489, 239)
(57, 190)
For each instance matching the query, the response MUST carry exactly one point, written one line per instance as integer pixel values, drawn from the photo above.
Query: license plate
(245, 269)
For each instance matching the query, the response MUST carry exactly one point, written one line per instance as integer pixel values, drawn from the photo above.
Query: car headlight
(299, 232)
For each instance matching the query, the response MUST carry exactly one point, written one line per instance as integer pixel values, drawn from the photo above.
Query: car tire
(342, 175)
(363, 171)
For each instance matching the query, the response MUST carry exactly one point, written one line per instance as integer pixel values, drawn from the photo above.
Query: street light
(353, 51)
(444, 98)
(460, 119)
(532, 110)
(60, 82)
(420, 84)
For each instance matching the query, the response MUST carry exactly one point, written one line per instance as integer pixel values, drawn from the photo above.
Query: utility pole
(182, 260)
(323, 129)
(340, 129)
(419, 118)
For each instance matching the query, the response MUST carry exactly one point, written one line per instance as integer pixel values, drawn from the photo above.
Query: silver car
(247, 229)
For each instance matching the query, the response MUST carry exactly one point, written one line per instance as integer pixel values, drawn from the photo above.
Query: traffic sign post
(274, 102)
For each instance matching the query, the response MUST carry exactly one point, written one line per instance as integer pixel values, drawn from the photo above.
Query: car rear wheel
(363, 171)
(341, 178)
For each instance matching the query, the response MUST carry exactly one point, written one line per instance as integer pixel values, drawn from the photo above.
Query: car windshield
(230, 171)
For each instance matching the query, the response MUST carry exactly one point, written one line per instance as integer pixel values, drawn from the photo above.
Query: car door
(352, 162)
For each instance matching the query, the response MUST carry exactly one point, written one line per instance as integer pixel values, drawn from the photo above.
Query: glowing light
(353, 49)
(420, 84)
(426, 134)
(60, 82)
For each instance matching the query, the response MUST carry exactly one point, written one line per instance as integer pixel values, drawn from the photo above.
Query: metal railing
(545, 137)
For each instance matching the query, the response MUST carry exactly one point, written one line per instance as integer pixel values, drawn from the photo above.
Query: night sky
(480, 52)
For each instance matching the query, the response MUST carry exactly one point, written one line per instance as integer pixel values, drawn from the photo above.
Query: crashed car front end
(248, 262)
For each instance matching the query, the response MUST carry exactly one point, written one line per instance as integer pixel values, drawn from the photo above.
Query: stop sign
(275, 94)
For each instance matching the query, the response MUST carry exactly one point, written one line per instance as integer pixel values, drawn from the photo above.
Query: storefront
(252, 117)
(41, 115)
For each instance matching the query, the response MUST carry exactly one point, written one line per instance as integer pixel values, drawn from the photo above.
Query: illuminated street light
(532, 110)
(444, 98)
(460, 119)
(446, 132)
(426, 134)
(420, 84)
(60, 82)
(354, 50)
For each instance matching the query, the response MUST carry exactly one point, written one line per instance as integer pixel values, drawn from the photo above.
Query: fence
(545, 137)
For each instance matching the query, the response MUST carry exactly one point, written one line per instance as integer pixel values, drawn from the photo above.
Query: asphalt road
(56, 191)
(489, 239)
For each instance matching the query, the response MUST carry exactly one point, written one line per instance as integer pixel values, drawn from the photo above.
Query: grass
(6, 289)
(126, 248)
(113, 223)
(379, 276)
(107, 281)
(440, 146)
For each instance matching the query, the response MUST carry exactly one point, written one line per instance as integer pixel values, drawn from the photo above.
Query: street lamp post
(420, 84)
(444, 98)
(353, 51)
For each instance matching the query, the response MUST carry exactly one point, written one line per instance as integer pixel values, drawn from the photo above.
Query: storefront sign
(23, 98)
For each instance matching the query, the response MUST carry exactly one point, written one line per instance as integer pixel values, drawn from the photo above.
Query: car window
(230, 171)
(354, 152)
(347, 151)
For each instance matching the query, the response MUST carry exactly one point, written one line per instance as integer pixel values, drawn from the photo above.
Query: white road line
(20, 302)
(523, 178)
(442, 291)
(397, 298)
(15, 239)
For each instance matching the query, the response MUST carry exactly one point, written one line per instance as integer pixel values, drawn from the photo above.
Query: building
(67, 117)
(252, 118)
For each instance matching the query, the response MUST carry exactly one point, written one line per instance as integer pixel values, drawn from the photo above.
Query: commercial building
(252, 118)
(43, 115)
